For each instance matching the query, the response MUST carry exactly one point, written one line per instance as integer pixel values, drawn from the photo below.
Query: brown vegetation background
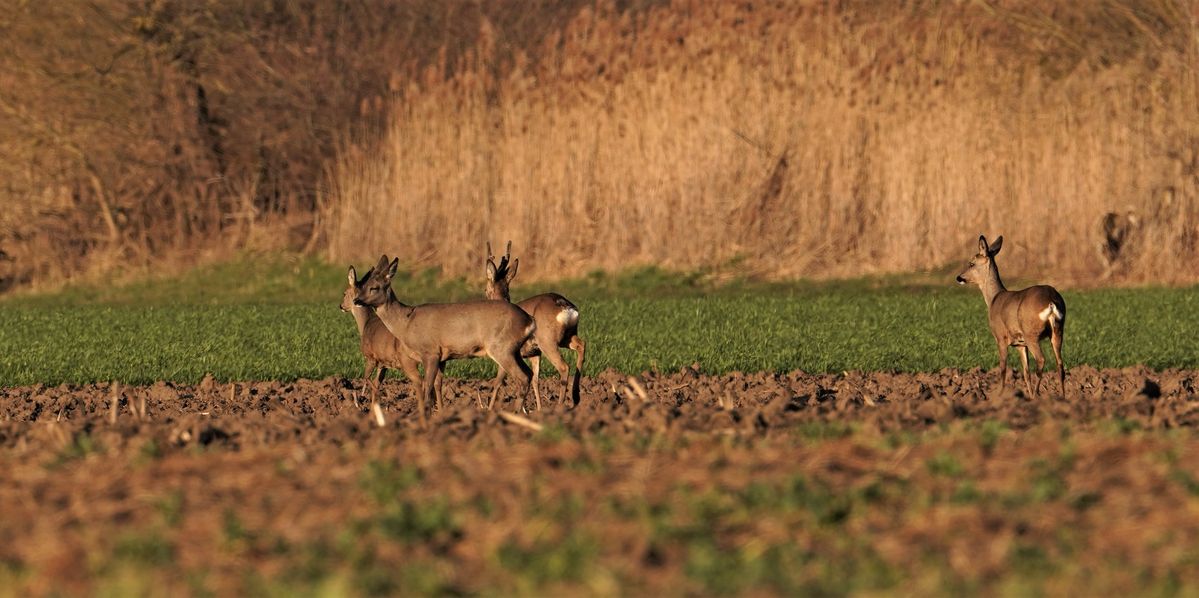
(773, 138)
(151, 134)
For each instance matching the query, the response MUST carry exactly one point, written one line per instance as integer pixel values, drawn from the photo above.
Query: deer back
(552, 310)
(466, 328)
(1026, 313)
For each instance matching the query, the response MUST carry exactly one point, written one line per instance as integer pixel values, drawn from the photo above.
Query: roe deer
(437, 332)
(380, 348)
(1018, 318)
(557, 323)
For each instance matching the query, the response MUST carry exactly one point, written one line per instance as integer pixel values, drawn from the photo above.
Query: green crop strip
(812, 328)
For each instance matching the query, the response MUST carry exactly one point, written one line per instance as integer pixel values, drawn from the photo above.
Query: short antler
(500, 271)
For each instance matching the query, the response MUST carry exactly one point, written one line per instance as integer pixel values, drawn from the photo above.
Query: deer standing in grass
(1018, 318)
(379, 347)
(437, 332)
(557, 323)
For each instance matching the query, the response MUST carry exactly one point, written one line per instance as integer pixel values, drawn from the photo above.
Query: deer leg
(1024, 370)
(426, 394)
(535, 366)
(410, 369)
(555, 357)
(579, 348)
(513, 364)
(1003, 366)
(499, 381)
(440, 373)
(367, 377)
(526, 377)
(1056, 333)
(1039, 356)
(380, 372)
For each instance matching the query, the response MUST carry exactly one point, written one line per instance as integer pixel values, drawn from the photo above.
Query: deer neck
(394, 314)
(991, 284)
(497, 293)
(362, 315)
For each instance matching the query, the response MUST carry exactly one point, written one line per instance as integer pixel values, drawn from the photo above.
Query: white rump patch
(1050, 312)
(568, 316)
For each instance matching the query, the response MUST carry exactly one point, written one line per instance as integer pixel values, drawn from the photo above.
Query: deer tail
(1053, 314)
(568, 313)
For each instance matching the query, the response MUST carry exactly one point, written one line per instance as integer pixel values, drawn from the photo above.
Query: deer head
(347, 298)
(375, 289)
(500, 277)
(981, 265)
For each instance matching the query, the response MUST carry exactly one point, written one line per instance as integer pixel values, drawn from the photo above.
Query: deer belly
(461, 351)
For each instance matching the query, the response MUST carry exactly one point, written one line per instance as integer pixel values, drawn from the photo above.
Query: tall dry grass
(794, 139)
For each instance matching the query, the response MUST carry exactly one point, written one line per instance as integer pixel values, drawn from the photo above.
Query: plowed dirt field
(666, 483)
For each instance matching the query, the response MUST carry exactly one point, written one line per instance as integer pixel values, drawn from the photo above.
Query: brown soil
(188, 466)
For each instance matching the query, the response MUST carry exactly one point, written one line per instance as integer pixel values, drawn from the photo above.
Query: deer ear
(489, 270)
(353, 276)
(996, 246)
(391, 270)
(512, 269)
(982, 245)
(379, 267)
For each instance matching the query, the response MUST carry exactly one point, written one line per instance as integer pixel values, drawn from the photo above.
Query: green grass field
(280, 320)
(822, 507)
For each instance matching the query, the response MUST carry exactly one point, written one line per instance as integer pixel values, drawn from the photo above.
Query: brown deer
(557, 323)
(1018, 318)
(379, 347)
(437, 332)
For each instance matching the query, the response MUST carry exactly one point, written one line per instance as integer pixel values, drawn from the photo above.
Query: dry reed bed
(795, 139)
